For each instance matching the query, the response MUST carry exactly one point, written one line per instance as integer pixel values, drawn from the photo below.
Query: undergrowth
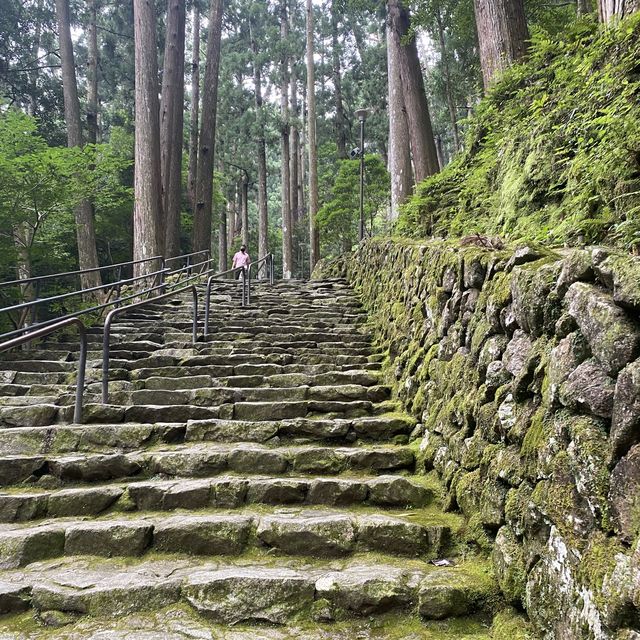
(552, 152)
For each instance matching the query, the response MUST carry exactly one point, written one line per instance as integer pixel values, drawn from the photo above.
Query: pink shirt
(241, 260)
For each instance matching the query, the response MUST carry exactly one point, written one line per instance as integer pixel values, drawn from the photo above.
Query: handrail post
(188, 265)
(248, 285)
(207, 305)
(105, 356)
(194, 337)
(271, 268)
(161, 275)
(82, 366)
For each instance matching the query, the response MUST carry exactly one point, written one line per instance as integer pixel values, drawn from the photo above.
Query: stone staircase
(262, 477)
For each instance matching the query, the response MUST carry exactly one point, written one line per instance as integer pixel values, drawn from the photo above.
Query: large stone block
(624, 496)
(248, 594)
(625, 421)
(613, 337)
(317, 535)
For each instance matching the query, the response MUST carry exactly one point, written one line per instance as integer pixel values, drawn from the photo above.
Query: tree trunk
(85, 227)
(206, 147)
(583, 7)
(223, 247)
(608, 9)
(147, 213)
(92, 74)
(423, 148)
(340, 120)
(287, 236)
(448, 86)
(171, 124)
(295, 150)
(245, 209)
(263, 214)
(33, 76)
(399, 155)
(314, 238)
(195, 109)
(22, 231)
(502, 35)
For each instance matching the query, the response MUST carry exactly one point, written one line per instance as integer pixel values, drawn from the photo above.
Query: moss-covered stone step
(360, 377)
(388, 491)
(218, 395)
(152, 413)
(60, 439)
(181, 622)
(233, 593)
(228, 370)
(313, 533)
(376, 428)
(129, 436)
(205, 460)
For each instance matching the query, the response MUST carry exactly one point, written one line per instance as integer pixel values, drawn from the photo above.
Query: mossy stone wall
(523, 369)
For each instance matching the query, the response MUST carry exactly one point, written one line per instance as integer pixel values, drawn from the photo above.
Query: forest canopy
(253, 137)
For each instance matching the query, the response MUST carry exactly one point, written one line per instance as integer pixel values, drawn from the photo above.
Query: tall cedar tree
(85, 226)
(171, 123)
(502, 35)
(195, 109)
(607, 9)
(314, 238)
(399, 155)
(423, 148)
(261, 144)
(206, 145)
(340, 121)
(147, 214)
(285, 146)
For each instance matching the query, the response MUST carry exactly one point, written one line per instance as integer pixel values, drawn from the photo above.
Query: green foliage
(41, 184)
(553, 152)
(338, 218)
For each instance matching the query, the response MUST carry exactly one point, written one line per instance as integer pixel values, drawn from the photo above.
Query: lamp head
(362, 114)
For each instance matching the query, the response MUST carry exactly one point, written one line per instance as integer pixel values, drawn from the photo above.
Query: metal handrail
(82, 360)
(74, 273)
(81, 312)
(106, 337)
(159, 275)
(246, 286)
(268, 260)
(207, 298)
(205, 252)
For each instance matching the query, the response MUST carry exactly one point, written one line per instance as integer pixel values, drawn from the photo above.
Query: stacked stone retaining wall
(523, 369)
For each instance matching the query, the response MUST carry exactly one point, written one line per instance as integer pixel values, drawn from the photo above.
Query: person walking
(241, 259)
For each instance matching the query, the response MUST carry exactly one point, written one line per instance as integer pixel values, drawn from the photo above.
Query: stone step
(313, 533)
(240, 369)
(360, 377)
(235, 592)
(101, 437)
(180, 622)
(389, 491)
(206, 460)
(218, 395)
(42, 415)
(382, 427)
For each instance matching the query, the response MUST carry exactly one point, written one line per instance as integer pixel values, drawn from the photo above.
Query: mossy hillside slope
(552, 153)
(523, 369)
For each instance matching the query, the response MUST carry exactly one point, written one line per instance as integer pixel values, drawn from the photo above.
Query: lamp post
(362, 116)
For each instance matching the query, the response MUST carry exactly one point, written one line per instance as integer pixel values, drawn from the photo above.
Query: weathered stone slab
(202, 535)
(248, 594)
(318, 535)
(613, 337)
(108, 538)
